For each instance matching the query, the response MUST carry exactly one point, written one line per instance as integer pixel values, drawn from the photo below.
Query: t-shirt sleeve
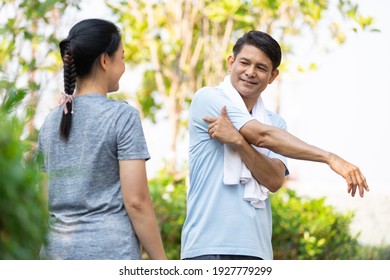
(208, 102)
(131, 143)
(281, 123)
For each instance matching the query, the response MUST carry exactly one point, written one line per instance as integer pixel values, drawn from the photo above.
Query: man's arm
(267, 171)
(284, 143)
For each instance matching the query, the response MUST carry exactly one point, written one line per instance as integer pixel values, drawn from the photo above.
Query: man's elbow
(257, 134)
(276, 184)
(277, 181)
(263, 141)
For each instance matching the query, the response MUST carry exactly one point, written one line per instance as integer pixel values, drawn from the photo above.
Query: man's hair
(262, 41)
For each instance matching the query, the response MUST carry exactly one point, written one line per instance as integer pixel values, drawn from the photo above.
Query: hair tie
(65, 98)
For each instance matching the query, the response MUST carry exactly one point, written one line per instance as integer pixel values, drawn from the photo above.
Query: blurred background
(333, 91)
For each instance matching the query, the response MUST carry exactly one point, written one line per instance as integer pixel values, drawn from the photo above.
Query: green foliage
(23, 219)
(29, 46)
(303, 229)
(374, 253)
(146, 96)
(352, 11)
(12, 98)
(169, 197)
(308, 229)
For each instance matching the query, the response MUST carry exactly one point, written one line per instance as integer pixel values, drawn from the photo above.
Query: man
(235, 157)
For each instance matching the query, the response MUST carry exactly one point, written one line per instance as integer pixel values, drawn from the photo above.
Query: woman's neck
(84, 87)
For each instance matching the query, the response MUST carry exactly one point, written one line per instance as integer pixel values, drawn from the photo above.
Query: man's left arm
(269, 172)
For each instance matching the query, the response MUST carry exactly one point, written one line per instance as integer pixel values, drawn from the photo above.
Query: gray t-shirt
(88, 218)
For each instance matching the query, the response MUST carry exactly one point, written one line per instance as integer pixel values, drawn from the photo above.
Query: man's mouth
(248, 82)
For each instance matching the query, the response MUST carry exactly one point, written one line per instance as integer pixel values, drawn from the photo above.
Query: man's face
(251, 72)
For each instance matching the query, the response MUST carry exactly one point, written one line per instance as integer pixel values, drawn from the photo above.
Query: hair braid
(69, 74)
(69, 86)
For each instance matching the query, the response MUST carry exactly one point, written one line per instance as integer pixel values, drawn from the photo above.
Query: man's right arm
(284, 143)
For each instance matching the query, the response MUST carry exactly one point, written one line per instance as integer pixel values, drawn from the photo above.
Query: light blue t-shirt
(219, 220)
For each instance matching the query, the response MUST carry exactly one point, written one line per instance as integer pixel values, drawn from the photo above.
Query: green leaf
(13, 99)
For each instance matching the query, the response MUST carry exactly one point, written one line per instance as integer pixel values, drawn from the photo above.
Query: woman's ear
(104, 61)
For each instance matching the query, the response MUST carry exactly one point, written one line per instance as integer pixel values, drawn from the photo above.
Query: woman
(94, 153)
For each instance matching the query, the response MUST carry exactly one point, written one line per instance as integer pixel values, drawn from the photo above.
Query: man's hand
(222, 129)
(351, 174)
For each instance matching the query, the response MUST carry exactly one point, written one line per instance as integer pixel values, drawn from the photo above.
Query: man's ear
(274, 74)
(230, 62)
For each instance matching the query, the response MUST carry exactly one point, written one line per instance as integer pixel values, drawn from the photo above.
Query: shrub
(303, 228)
(307, 229)
(23, 218)
(169, 197)
(381, 252)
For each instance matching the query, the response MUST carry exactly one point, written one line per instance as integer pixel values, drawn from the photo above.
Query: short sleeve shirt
(88, 218)
(219, 220)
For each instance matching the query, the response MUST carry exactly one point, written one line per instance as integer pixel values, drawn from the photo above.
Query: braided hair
(86, 41)
(69, 86)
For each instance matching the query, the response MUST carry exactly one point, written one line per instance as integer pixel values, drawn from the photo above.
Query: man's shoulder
(207, 90)
(277, 120)
(273, 114)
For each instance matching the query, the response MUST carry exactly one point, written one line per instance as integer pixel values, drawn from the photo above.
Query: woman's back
(85, 199)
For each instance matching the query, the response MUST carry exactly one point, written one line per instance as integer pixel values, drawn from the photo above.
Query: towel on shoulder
(235, 170)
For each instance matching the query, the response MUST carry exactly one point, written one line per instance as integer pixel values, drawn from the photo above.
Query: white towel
(235, 170)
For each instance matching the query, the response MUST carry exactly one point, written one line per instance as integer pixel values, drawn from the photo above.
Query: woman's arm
(136, 198)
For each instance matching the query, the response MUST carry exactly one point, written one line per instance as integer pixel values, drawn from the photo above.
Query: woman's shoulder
(118, 106)
(124, 112)
(125, 107)
(52, 116)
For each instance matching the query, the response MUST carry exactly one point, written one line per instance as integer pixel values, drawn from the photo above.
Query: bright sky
(344, 106)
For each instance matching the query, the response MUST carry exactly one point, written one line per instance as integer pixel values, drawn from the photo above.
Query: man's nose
(250, 71)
